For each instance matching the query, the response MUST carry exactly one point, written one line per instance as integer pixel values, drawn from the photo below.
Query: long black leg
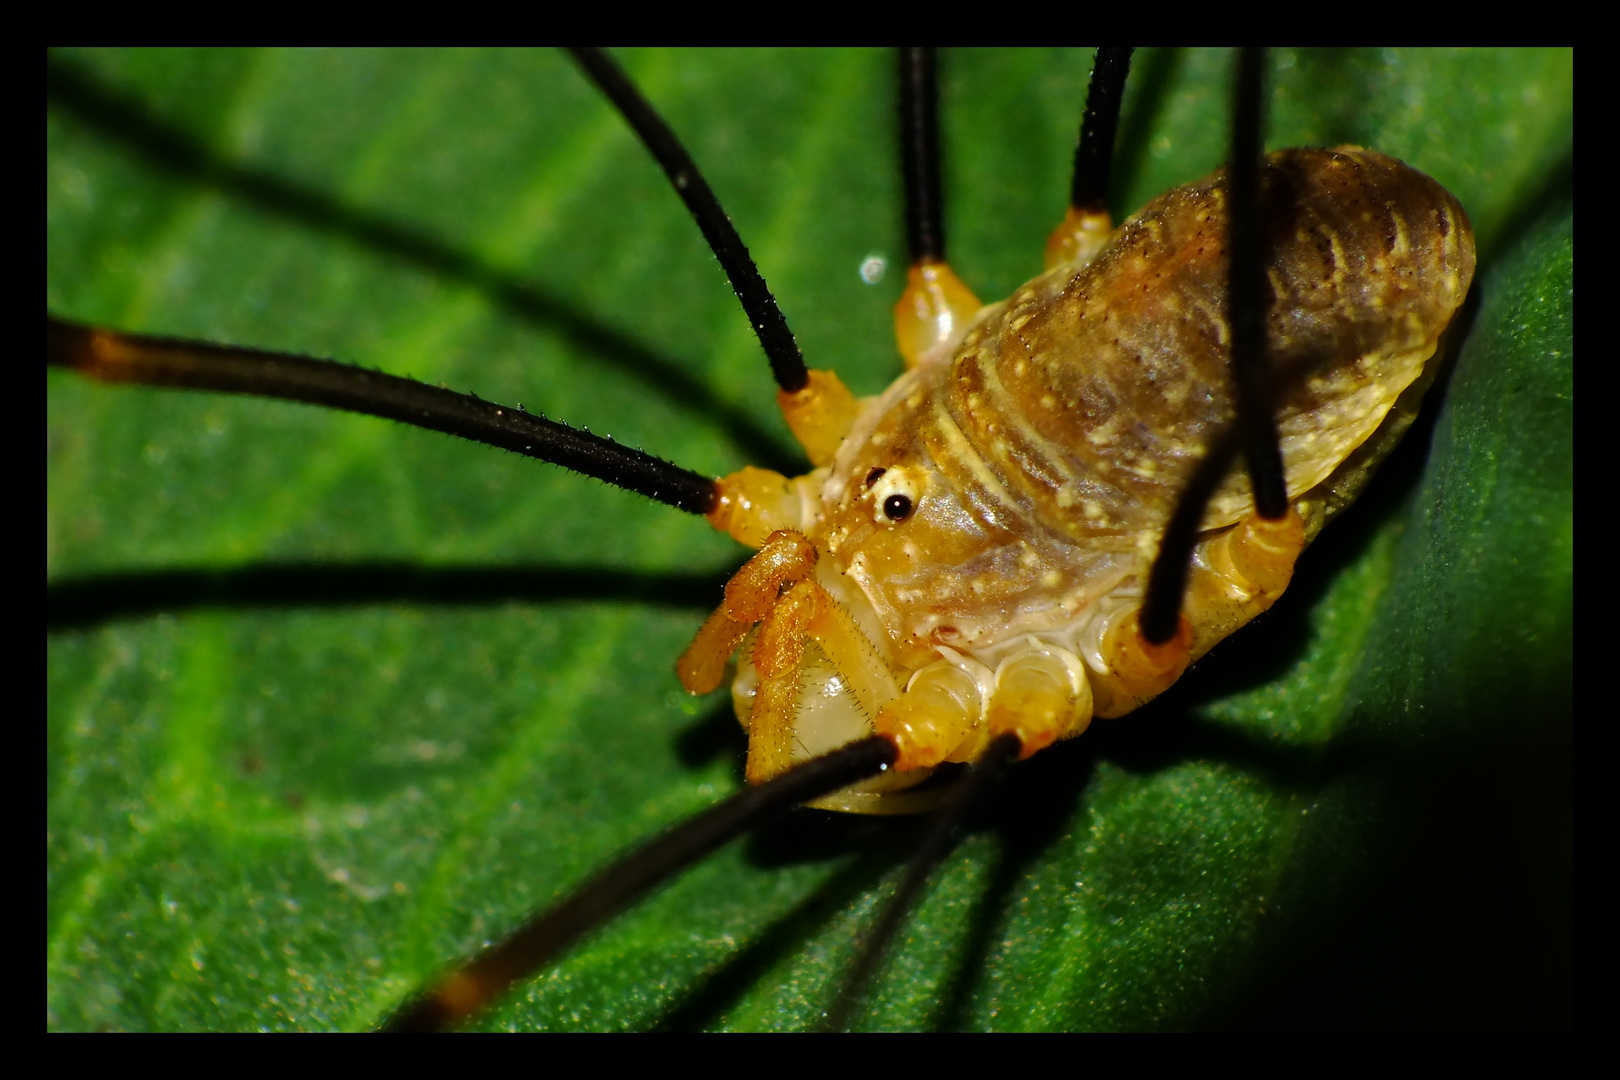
(1255, 432)
(154, 361)
(1167, 581)
(484, 978)
(919, 155)
(1099, 125)
(1245, 294)
(975, 788)
(787, 363)
(936, 303)
(117, 357)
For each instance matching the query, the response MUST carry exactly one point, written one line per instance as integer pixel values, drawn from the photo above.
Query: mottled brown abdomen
(1093, 391)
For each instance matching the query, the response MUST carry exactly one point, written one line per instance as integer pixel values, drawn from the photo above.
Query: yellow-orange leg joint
(1137, 669)
(934, 717)
(786, 557)
(819, 415)
(751, 504)
(1080, 235)
(935, 307)
(462, 994)
(103, 356)
(1260, 554)
(1039, 699)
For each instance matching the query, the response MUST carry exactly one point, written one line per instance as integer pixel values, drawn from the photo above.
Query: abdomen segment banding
(1094, 392)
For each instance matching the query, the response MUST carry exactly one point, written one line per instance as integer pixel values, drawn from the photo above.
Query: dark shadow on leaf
(1153, 74)
(828, 836)
(811, 836)
(84, 602)
(1551, 200)
(1456, 914)
(715, 735)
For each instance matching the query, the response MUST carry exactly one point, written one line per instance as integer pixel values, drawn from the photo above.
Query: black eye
(873, 476)
(897, 507)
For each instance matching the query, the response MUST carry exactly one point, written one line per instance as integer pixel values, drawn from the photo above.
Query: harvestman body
(973, 557)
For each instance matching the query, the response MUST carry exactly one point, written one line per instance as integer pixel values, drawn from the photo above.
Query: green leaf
(333, 702)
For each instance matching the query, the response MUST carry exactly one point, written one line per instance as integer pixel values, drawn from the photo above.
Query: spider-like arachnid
(331, 700)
